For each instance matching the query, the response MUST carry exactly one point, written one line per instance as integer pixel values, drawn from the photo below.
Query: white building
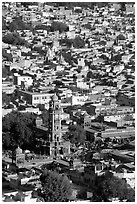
(81, 62)
(82, 85)
(18, 79)
(78, 100)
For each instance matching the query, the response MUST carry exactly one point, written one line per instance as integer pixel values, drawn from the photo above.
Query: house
(8, 87)
(97, 109)
(36, 97)
(78, 99)
(126, 171)
(19, 79)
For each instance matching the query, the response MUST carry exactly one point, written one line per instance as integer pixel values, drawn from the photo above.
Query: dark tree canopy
(61, 27)
(40, 50)
(42, 27)
(4, 26)
(67, 57)
(5, 99)
(26, 4)
(45, 117)
(76, 134)
(66, 41)
(19, 24)
(14, 39)
(71, 5)
(78, 42)
(55, 187)
(109, 186)
(7, 56)
(19, 128)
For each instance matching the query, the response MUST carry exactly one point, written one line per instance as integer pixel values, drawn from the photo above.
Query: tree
(26, 4)
(4, 26)
(78, 42)
(66, 41)
(76, 134)
(20, 129)
(61, 27)
(6, 140)
(41, 107)
(5, 99)
(42, 27)
(123, 6)
(14, 39)
(108, 187)
(87, 26)
(18, 24)
(19, 196)
(40, 50)
(8, 57)
(45, 117)
(67, 57)
(55, 187)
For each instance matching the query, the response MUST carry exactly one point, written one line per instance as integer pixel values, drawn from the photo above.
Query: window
(36, 98)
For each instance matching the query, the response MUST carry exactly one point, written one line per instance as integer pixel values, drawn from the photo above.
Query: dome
(55, 97)
(18, 150)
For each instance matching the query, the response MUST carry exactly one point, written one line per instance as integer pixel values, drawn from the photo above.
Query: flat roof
(37, 93)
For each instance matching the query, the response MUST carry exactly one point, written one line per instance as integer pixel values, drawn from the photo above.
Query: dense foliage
(55, 187)
(61, 27)
(18, 129)
(42, 27)
(71, 5)
(4, 25)
(14, 39)
(6, 55)
(76, 134)
(18, 24)
(77, 42)
(67, 57)
(5, 99)
(108, 186)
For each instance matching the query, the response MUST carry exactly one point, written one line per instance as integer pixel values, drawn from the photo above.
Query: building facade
(52, 143)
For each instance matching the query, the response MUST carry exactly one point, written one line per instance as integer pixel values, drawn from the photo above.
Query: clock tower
(54, 125)
(58, 147)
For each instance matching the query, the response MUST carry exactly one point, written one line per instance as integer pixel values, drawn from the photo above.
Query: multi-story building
(97, 109)
(78, 100)
(8, 87)
(36, 97)
(57, 146)
(53, 143)
(112, 133)
(113, 109)
(18, 79)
